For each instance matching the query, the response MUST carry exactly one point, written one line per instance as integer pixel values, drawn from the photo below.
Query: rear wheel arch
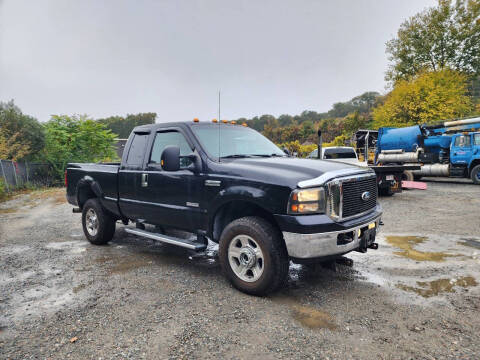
(87, 189)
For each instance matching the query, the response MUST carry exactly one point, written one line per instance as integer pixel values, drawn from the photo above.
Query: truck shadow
(128, 253)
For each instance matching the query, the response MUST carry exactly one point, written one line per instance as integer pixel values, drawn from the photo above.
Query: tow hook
(373, 246)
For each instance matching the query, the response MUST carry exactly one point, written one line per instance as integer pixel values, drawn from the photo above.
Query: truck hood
(288, 171)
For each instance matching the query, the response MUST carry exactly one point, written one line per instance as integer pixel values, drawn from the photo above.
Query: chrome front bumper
(306, 246)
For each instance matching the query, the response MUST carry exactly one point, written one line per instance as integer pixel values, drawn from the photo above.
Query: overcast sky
(116, 57)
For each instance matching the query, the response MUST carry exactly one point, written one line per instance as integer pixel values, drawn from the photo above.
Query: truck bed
(105, 174)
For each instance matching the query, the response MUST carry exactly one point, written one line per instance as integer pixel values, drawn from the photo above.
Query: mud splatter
(407, 244)
(436, 287)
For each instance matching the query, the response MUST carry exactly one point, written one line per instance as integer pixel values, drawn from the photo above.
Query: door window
(462, 141)
(137, 150)
(166, 138)
(476, 139)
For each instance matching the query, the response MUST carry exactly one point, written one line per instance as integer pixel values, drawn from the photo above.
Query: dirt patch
(436, 287)
(7, 211)
(56, 194)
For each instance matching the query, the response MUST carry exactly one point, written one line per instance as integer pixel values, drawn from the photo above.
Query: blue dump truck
(450, 149)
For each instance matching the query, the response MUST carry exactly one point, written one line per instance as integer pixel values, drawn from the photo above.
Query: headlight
(308, 201)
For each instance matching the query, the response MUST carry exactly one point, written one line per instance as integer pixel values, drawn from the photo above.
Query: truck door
(129, 175)
(172, 197)
(461, 150)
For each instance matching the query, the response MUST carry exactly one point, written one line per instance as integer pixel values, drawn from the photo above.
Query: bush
(3, 190)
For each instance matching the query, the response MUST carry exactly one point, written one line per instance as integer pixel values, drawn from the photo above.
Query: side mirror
(170, 158)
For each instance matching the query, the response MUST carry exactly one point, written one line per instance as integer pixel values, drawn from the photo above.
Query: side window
(462, 141)
(166, 138)
(476, 139)
(137, 150)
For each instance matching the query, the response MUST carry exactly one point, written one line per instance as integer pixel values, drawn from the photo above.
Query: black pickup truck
(230, 184)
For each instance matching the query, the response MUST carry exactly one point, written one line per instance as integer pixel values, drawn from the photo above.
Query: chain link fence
(19, 174)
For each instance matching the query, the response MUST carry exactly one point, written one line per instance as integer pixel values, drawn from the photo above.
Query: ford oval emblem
(366, 196)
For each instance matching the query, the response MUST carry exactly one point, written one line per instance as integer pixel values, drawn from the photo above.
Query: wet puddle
(308, 316)
(407, 244)
(436, 287)
(121, 265)
(313, 318)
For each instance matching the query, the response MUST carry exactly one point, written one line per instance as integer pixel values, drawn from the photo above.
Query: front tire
(475, 175)
(253, 256)
(98, 225)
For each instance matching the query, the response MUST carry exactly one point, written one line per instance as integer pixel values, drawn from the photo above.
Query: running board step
(188, 244)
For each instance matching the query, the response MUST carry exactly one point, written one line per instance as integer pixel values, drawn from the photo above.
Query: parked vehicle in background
(449, 148)
(389, 178)
(343, 154)
(230, 184)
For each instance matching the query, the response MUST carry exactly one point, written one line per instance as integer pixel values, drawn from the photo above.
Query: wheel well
(84, 193)
(236, 210)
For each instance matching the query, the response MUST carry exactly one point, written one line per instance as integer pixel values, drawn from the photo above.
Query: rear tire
(98, 225)
(253, 256)
(475, 175)
(408, 175)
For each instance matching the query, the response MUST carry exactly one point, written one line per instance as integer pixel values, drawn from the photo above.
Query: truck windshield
(339, 153)
(229, 141)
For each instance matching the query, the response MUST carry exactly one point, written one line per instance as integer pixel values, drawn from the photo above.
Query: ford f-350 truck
(230, 184)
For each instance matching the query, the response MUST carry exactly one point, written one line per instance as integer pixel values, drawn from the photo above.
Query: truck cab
(465, 155)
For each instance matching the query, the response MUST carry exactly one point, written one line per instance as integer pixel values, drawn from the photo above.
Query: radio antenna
(219, 121)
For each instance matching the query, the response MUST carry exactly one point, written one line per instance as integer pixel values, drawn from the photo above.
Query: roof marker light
(195, 120)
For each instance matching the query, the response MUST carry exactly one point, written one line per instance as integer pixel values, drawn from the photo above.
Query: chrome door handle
(144, 180)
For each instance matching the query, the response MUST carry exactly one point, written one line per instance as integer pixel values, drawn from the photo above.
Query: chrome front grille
(351, 196)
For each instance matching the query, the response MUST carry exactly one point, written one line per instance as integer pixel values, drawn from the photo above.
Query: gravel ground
(417, 296)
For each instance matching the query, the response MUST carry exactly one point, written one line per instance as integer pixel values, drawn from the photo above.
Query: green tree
(445, 36)
(430, 97)
(123, 126)
(76, 139)
(353, 122)
(21, 136)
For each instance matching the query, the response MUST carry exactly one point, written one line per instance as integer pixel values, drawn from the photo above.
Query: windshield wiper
(235, 156)
(269, 155)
